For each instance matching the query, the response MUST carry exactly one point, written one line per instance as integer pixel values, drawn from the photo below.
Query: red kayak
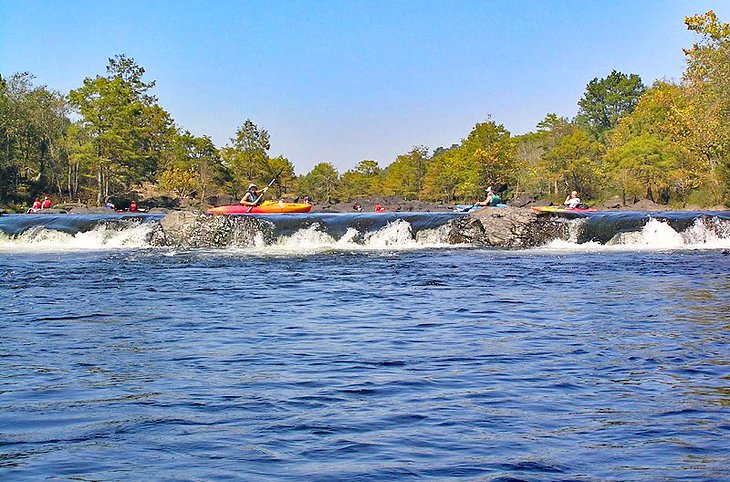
(266, 207)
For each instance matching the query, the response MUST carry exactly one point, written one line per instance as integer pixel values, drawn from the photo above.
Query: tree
(405, 176)
(605, 101)
(647, 152)
(194, 167)
(707, 111)
(321, 182)
(247, 156)
(122, 121)
(574, 162)
(485, 157)
(33, 124)
(362, 181)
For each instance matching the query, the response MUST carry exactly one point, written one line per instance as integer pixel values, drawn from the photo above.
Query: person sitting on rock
(253, 195)
(492, 198)
(572, 201)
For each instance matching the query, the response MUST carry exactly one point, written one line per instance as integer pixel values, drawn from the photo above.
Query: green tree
(483, 158)
(707, 110)
(286, 183)
(647, 153)
(123, 124)
(405, 176)
(33, 122)
(193, 167)
(322, 182)
(606, 100)
(532, 170)
(574, 163)
(247, 157)
(362, 181)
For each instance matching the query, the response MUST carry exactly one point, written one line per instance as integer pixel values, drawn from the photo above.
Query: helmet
(252, 186)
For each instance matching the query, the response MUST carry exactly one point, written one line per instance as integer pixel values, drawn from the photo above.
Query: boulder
(646, 205)
(188, 229)
(612, 203)
(93, 210)
(51, 211)
(510, 228)
(540, 202)
(523, 201)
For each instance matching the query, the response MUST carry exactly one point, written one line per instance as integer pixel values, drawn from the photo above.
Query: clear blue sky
(341, 81)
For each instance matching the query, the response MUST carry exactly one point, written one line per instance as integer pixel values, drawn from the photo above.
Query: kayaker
(492, 198)
(133, 206)
(46, 203)
(572, 201)
(357, 207)
(253, 195)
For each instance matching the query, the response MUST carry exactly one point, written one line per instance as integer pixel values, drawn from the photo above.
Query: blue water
(430, 364)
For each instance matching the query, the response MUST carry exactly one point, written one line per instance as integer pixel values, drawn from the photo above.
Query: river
(366, 350)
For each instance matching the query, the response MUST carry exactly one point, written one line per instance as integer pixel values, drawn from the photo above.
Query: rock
(51, 211)
(510, 228)
(158, 211)
(523, 201)
(646, 205)
(612, 203)
(85, 210)
(197, 230)
(541, 202)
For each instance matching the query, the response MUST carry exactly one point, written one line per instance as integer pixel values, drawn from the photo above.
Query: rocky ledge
(188, 229)
(511, 228)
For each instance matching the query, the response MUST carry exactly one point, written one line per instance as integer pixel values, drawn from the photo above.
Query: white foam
(41, 239)
(395, 236)
(656, 235)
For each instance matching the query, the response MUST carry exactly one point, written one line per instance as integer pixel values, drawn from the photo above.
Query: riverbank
(376, 204)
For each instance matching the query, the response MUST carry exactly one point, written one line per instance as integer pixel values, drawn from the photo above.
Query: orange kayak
(266, 207)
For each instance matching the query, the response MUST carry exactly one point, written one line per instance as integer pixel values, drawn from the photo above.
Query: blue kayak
(467, 208)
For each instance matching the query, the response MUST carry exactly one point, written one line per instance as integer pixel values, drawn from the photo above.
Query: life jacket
(495, 199)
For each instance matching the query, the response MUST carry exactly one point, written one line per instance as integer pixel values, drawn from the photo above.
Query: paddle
(258, 201)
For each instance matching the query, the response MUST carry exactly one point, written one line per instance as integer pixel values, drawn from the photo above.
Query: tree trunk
(100, 184)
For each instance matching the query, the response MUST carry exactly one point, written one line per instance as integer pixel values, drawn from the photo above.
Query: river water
(388, 356)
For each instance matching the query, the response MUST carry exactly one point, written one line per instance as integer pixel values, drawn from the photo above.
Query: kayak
(266, 207)
(467, 208)
(558, 209)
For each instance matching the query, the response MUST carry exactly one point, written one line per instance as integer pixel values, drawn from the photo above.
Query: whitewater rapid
(317, 236)
(656, 235)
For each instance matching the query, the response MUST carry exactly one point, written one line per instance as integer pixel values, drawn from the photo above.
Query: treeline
(108, 138)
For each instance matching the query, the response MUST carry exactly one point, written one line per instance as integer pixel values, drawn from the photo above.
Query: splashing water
(102, 237)
(656, 235)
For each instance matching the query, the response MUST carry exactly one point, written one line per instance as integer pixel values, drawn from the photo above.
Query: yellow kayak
(558, 209)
